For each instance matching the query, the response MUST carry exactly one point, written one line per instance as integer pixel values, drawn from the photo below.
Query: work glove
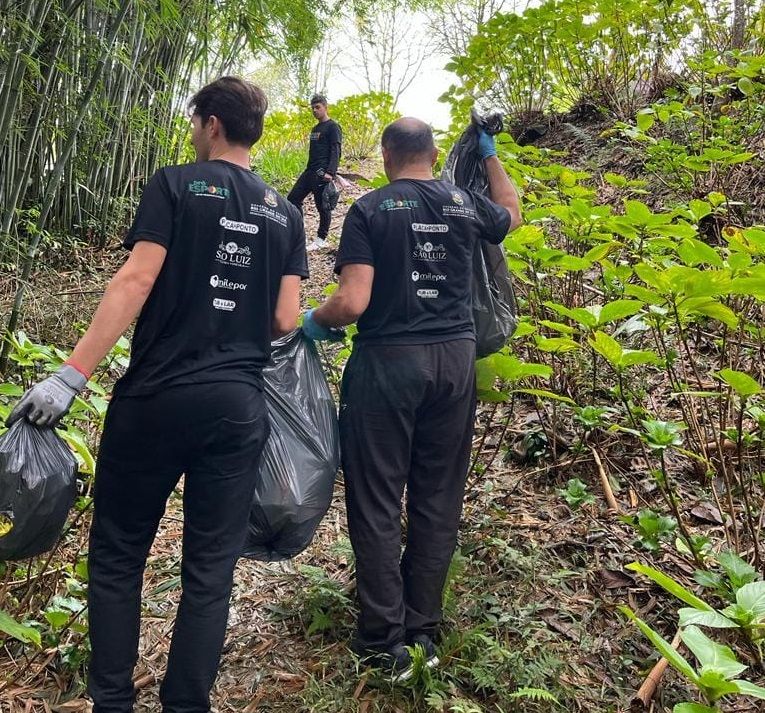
(47, 402)
(486, 145)
(313, 330)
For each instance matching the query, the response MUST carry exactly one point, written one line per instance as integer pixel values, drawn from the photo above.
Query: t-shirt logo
(231, 253)
(207, 190)
(270, 199)
(315, 135)
(457, 198)
(392, 204)
(239, 226)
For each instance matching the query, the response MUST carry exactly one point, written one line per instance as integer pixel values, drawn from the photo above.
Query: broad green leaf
(633, 357)
(712, 619)
(751, 597)
(618, 309)
(715, 685)
(645, 119)
(750, 689)
(709, 308)
(11, 390)
(637, 212)
(748, 286)
(599, 252)
(511, 368)
(644, 294)
(713, 657)
(663, 646)
(557, 326)
(607, 347)
(25, 634)
(659, 281)
(556, 344)
(76, 441)
(694, 252)
(738, 570)
(694, 708)
(743, 384)
(700, 209)
(746, 86)
(670, 585)
(57, 618)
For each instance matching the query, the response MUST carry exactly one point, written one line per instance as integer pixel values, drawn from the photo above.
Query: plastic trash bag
(301, 457)
(37, 488)
(330, 196)
(495, 310)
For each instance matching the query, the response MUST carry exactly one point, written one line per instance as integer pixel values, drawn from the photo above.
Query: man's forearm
(335, 312)
(122, 301)
(334, 159)
(502, 190)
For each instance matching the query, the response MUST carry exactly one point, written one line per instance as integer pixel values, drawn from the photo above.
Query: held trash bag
(495, 311)
(37, 489)
(301, 457)
(330, 196)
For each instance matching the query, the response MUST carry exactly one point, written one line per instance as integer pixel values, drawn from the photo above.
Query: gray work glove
(47, 402)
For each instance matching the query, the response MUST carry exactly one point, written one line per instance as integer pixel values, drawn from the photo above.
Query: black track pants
(310, 182)
(406, 419)
(214, 433)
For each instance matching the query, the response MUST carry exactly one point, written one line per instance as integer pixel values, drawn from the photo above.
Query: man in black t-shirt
(216, 261)
(324, 149)
(408, 395)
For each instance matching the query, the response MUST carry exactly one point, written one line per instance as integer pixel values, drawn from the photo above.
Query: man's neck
(326, 118)
(238, 155)
(418, 173)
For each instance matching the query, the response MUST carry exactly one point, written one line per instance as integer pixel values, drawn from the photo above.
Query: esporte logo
(226, 284)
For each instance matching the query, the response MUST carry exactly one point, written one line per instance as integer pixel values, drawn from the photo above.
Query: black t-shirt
(419, 235)
(229, 240)
(324, 147)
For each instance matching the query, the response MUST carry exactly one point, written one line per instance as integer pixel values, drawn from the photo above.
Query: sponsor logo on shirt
(427, 294)
(457, 198)
(263, 211)
(427, 276)
(427, 252)
(315, 135)
(231, 253)
(226, 284)
(239, 226)
(207, 190)
(430, 227)
(224, 305)
(391, 204)
(269, 198)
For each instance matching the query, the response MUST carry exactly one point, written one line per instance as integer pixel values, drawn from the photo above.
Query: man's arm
(287, 306)
(349, 300)
(122, 301)
(334, 154)
(502, 190)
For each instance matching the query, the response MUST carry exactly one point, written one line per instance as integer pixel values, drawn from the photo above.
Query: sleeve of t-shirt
(494, 219)
(355, 246)
(154, 218)
(297, 259)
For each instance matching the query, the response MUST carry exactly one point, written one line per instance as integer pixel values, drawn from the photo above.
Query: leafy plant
(576, 494)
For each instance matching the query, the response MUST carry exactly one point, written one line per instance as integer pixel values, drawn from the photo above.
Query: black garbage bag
(330, 196)
(495, 310)
(301, 457)
(37, 488)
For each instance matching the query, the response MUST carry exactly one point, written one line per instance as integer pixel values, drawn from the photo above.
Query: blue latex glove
(486, 145)
(313, 330)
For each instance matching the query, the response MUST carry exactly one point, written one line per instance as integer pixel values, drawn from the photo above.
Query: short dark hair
(240, 106)
(408, 140)
(318, 99)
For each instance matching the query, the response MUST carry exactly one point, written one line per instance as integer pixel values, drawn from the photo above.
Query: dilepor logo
(427, 252)
(239, 226)
(207, 190)
(397, 204)
(269, 199)
(225, 284)
(427, 276)
(430, 227)
(427, 294)
(224, 305)
(231, 253)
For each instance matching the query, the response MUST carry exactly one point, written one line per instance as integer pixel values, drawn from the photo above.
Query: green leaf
(11, 390)
(544, 394)
(618, 309)
(739, 572)
(25, 634)
(746, 86)
(748, 286)
(663, 646)
(713, 657)
(710, 308)
(670, 585)
(712, 619)
(57, 618)
(645, 119)
(750, 689)
(607, 347)
(700, 209)
(715, 685)
(751, 597)
(743, 384)
(694, 708)
(633, 357)
(637, 212)
(76, 441)
(556, 344)
(694, 252)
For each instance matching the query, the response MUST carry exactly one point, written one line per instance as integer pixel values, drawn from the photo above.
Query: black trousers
(406, 419)
(214, 434)
(310, 182)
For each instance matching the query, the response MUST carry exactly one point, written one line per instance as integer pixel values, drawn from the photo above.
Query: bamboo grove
(92, 96)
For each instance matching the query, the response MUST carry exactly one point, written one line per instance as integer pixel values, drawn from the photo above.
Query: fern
(534, 694)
